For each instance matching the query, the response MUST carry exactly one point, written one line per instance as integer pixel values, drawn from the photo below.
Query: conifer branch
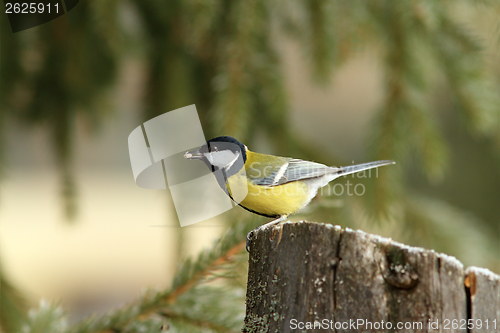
(188, 276)
(196, 322)
(174, 294)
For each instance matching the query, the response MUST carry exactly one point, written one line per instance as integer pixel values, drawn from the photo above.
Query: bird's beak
(193, 155)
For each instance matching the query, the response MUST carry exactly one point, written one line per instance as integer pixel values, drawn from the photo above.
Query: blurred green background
(337, 82)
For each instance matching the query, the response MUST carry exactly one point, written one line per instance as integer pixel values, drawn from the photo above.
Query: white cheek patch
(222, 159)
(236, 156)
(209, 157)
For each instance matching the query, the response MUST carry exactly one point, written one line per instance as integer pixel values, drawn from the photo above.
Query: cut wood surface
(483, 290)
(312, 277)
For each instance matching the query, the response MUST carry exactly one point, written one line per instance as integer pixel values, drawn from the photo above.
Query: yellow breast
(279, 200)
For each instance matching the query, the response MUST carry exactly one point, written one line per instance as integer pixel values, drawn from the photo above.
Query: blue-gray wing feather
(294, 170)
(290, 169)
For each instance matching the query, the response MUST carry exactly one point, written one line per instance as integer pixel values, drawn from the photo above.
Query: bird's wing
(300, 169)
(289, 171)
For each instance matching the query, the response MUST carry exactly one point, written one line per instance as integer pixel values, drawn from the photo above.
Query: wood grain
(351, 281)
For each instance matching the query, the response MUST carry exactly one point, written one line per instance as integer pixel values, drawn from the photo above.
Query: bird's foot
(264, 226)
(280, 235)
(247, 245)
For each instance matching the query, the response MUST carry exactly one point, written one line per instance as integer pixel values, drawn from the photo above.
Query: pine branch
(430, 220)
(322, 46)
(224, 258)
(196, 322)
(218, 308)
(238, 56)
(46, 318)
(459, 53)
(189, 275)
(12, 306)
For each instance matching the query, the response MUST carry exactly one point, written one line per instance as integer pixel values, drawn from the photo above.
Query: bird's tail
(347, 170)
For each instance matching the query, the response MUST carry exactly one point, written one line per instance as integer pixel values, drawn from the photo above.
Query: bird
(275, 187)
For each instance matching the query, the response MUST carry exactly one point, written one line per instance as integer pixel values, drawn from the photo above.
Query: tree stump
(312, 277)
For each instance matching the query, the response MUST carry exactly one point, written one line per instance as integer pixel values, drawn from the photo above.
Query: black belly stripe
(261, 214)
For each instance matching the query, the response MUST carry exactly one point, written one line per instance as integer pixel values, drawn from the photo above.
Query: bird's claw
(249, 238)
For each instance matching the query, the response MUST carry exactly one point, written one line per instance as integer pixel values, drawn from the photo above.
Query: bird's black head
(221, 153)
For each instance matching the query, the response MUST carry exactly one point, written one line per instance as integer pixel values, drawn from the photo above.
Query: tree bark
(483, 295)
(311, 277)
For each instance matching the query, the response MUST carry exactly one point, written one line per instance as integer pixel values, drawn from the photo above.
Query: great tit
(276, 187)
